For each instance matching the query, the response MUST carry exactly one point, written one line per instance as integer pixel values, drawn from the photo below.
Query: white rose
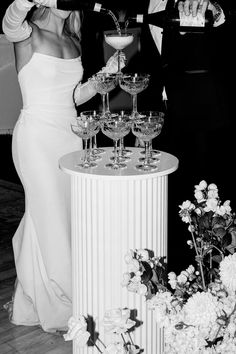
(171, 275)
(199, 196)
(201, 186)
(212, 193)
(142, 290)
(129, 256)
(221, 210)
(198, 211)
(182, 278)
(187, 205)
(212, 186)
(231, 328)
(227, 206)
(211, 204)
(133, 266)
(186, 219)
(126, 279)
(143, 254)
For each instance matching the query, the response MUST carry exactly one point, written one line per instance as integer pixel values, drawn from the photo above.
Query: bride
(48, 62)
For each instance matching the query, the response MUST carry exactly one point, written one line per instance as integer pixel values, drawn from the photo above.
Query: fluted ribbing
(109, 217)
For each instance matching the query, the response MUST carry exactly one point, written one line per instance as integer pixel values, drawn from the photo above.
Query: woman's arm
(14, 25)
(84, 92)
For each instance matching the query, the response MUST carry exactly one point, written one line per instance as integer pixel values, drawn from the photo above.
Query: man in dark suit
(198, 129)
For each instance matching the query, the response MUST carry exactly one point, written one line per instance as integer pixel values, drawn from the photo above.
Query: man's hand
(193, 7)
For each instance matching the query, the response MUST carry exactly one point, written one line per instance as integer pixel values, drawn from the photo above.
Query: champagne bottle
(171, 19)
(81, 5)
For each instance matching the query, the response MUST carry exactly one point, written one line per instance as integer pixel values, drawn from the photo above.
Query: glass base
(153, 152)
(86, 165)
(94, 157)
(121, 158)
(150, 159)
(146, 168)
(135, 115)
(98, 151)
(126, 151)
(116, 166)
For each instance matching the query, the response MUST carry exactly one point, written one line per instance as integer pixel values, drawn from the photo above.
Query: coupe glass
(123, 151)
(146, 129)
(119, 41)
(85, 129)
(116, 127)
(153, 114)
(103, 84)
(93, 115)
(134, 84)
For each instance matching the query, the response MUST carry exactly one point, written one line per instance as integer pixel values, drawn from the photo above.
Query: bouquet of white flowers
(116, 323)
(197, 308)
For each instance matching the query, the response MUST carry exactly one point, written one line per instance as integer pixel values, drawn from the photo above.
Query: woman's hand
(112, 63)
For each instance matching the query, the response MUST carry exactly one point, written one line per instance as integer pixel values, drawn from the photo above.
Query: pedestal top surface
(167, 164)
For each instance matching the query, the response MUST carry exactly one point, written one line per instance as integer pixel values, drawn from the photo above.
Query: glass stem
(134, 99)
(86, 151)
(103, 103)
(119, 51)
(91, 146)
(150, 147)
(108, 105)
(145, 162)
(95, 142)
(115, 153)
(149, 150)
(121, 146)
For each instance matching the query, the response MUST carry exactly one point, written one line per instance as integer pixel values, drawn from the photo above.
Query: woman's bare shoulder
(24, 49)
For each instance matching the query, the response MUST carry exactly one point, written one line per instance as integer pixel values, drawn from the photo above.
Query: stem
(149, 152)
(150, 147)
(234, 309)
(115, 153)
(210, 264)
(121, 146)
(94, 343)
(86, 161)
(131, 340)
(91, 147)
(119, 52)
(108, 105)
(103, 103)
(198, 255)
(145, 162)
(99, 340)
(134, 99)
(95, 142)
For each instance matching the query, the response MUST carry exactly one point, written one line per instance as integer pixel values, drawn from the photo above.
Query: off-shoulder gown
(41, 243)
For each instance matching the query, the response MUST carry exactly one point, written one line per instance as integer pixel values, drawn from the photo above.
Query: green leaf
(219, 230)
(231, 247)
(217, 258)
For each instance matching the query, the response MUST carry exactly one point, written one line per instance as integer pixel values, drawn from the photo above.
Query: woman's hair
(72, 22)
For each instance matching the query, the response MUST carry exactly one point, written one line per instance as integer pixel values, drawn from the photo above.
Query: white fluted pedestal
(112, 212)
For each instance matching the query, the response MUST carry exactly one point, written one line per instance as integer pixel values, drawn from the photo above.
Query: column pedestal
(113, 212)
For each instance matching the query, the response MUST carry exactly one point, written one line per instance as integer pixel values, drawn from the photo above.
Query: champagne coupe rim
(107, 75)
(152, 113)
(90, 113)
(132, 75)
(115, 34)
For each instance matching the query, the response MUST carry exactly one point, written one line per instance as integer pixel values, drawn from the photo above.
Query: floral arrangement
(196, 308)
(116, 323)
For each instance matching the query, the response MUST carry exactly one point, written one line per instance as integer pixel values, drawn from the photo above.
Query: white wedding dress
(41, 244)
